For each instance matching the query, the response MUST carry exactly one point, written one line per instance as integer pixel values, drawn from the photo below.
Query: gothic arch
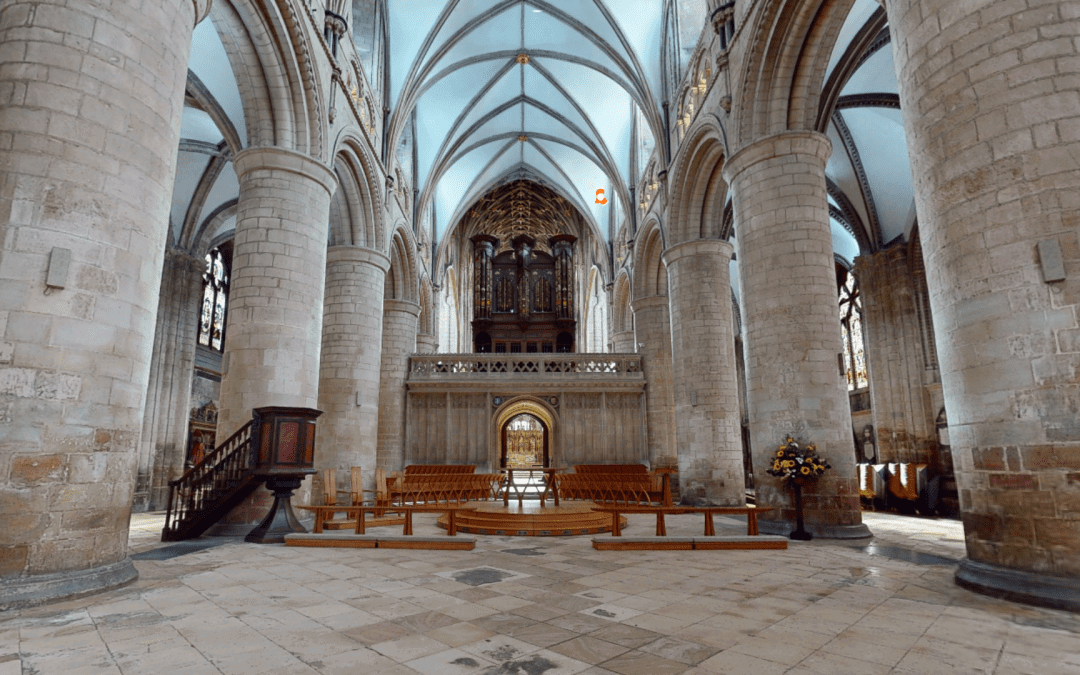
(696, 210)
(650, 274)
(780, 83)
(532, 405)
(279, 85)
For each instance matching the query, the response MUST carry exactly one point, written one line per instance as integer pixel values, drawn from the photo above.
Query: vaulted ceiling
(552, 89)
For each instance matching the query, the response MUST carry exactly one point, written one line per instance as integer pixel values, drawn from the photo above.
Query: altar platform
(530, 519)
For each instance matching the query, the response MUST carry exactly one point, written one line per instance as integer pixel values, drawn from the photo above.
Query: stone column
(426, 343)
(91, 96)
(623, 342)
(707, 420)
(792, 328)
(274, 324)
(992, 114)
(163, 446)
(901, 375)
(653, 334)
(398, 342)
(350, 366)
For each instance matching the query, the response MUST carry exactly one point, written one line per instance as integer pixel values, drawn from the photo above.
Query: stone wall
(592, 427)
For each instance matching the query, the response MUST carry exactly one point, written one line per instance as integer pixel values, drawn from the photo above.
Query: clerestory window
(215, 294)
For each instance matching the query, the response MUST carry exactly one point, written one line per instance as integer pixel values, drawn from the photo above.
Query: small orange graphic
(598, 199)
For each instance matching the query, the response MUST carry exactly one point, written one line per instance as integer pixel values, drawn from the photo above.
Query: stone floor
(545, 606)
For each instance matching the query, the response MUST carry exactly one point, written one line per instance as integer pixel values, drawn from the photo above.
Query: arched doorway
(524, 442)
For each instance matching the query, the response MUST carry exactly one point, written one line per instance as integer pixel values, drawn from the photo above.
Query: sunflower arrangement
(794, 461)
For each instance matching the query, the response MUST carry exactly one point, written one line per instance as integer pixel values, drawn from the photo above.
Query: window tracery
(215, 295)
(851, 327)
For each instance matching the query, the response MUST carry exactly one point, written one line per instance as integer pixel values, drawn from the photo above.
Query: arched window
(215, 293)
(851, 326)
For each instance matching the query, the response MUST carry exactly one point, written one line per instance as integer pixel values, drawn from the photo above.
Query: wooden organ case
(523, 298)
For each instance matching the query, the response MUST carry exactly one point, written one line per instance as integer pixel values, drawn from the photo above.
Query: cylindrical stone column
(398, 342)
(623, 342)
(91, 96)
(707, 419)
(992, 114)
(274, 325)
(792, 328)
(426, 343)
(653, 333)
(351, 362)
(163, 446)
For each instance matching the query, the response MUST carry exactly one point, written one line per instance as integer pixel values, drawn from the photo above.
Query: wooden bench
(751, 513)
(447, 488)
(358, 514)
(616, 483)
(689, 543)
(342, 540)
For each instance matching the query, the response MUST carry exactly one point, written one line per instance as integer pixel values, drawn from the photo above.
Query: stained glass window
(215, 294)
(851, 326)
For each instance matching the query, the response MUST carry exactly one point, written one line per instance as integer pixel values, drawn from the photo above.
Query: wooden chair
(329, 487)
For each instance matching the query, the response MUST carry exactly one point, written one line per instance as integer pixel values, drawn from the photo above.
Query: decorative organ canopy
(523, 238)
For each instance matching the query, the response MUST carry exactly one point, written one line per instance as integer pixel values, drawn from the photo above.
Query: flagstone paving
(546, 606)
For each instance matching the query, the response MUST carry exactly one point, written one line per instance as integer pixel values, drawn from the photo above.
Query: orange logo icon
(598, 199)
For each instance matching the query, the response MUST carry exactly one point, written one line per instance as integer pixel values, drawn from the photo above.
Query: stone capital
(698, 247)
(650, 302)
(358, 254)
(404, 306)
(282, 159)
(178, 258)
(804, 143)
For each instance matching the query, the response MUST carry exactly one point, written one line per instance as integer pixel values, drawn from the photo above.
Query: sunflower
(780, 452)
(806, 471)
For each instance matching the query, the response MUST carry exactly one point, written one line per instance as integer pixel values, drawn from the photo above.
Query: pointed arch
(622, 317)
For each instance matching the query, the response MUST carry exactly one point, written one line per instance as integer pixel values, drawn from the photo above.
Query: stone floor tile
(378, 632)
(626, 636)
(773, 649)
(639, 663)
(543, 634)
(683, 651)
(589, 649)
(458, 634)
(579, 623)
(450, 662)
(409, 648)
(469, 611)
(425, 621)
(612, 612)
(503, 623)
(539, 612)
(730, 662)
(658, 623)
(500, 648)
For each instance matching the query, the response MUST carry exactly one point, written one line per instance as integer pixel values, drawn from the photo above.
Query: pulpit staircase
(213, 487)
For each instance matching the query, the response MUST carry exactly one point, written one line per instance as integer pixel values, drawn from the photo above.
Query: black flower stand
(799, 534)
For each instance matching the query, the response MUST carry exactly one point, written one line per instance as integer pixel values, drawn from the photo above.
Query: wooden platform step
(763, 541)
(343, 540)
(569, 518)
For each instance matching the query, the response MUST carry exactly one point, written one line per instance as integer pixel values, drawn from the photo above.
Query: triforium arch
(280, 89)
(650, 275)
(356, 212)
(402, 281)
(782, 75)
(698, 188)
(622, 316)
(518, 405)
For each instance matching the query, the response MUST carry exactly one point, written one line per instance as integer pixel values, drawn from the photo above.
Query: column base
(39, 589)
(1030, 588)
(784, 528)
